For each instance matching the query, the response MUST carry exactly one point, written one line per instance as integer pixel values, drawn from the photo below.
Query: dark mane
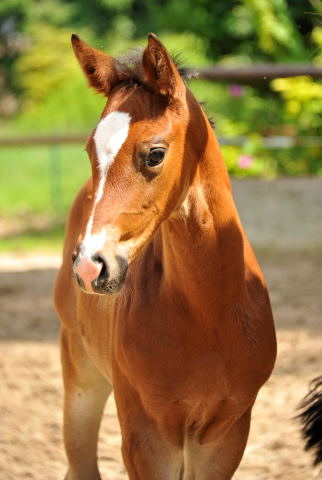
(131, 62)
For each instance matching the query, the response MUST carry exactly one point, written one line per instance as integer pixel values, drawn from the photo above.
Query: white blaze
(110, 135)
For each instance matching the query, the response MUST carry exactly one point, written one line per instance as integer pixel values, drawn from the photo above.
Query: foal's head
(143, 154)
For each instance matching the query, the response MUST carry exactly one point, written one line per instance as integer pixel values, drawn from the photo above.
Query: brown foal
(159, 293)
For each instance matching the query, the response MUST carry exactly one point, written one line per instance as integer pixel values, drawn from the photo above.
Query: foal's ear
(160, 70)
(101, 70)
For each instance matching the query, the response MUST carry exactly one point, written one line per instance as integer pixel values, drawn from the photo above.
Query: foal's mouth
(95, 274)
(109, 286)
(111, 281)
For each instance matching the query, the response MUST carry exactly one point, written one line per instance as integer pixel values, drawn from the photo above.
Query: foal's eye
(155, 157)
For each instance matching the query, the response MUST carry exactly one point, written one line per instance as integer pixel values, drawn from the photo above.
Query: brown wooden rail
(42, 140)
(272, 141)
(259, 73)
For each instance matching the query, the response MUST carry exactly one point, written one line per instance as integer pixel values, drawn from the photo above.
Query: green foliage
(235, 116)
(303, 102)
(72, 108)
(46, 65)
(189, 47)
(41, 72)
(270, 23)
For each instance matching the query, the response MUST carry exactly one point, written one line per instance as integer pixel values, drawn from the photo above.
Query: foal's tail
(311, 419)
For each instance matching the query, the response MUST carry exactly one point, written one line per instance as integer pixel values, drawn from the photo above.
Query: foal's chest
(164, 347)
(184, 377)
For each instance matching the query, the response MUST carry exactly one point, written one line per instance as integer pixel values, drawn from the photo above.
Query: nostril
(79, 281)
(75, 255)
(103, 275)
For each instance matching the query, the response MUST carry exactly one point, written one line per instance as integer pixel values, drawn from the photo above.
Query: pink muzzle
(87, 271)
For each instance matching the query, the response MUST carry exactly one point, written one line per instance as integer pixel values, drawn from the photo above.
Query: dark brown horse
(159, 294)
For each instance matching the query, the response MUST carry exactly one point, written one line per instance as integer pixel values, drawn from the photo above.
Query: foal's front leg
(167, 451)
(147, 454)
(86, 391)
(219, 458)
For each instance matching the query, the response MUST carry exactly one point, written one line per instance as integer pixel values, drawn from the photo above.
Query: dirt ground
(31, 391)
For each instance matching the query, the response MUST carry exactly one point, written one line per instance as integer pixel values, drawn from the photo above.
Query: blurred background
(43, 94)
(269, 127)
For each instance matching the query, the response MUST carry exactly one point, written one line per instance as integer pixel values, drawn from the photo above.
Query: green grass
(48, 240)
(38, 186)
(41, 179)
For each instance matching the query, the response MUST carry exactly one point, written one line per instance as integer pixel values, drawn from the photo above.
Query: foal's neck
(203, 242)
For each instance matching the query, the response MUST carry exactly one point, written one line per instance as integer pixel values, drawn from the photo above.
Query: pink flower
(244, 161)
(236, 90)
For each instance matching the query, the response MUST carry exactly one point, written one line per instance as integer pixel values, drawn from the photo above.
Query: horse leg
(86, 391)
(147, 454)
(218, 459)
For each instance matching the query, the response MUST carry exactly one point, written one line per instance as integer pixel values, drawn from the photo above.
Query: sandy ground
(31, 391)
